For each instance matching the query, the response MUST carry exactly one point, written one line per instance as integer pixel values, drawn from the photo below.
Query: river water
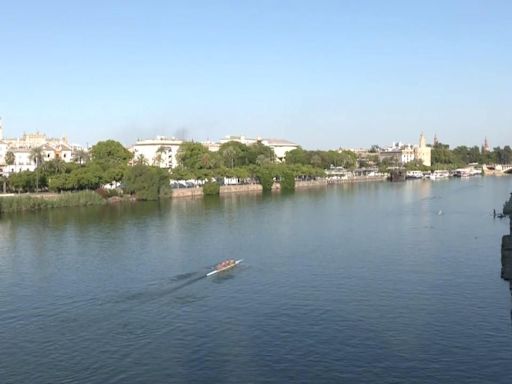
(369, 283)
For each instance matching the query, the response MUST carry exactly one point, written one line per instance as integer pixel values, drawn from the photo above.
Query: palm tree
(159, 155)
(229, 154)
(3, 179)
(10, 158)
(141, 160)
(36, 155)
(262, 160)
(81, 156)
(54, 166)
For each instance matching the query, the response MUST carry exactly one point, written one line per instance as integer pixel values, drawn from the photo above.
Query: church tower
(1, 130)
(422, 152)
(423, 142)
(485, 147)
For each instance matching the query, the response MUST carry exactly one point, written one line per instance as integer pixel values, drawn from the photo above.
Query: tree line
(106, 162)
(110, 162)
(444, 157)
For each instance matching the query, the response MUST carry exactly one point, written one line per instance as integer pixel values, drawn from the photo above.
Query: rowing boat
(220, 268)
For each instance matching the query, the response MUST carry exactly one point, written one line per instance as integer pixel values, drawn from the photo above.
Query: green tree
(265, 177)
(10, 158)
(348, 159)
(111, 157)
(37, 156)
(160, 152)
(316, 160)
(88, 177)
(234, 154)
(141, 159)
(298, 156)
(259, 153)
(3, 180)
(287, 179)
(146, 182)
(209, 160)
(442, 157)
(502, 156)
(229, 154)
(211, 188)
(110, 153)
(81, 156)
(190, 155)
(54, 166)
(26, 181)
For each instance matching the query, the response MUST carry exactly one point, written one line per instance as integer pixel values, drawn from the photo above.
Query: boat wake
(176, 284)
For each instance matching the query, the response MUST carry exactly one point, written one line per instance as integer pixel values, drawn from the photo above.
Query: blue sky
(324, 74)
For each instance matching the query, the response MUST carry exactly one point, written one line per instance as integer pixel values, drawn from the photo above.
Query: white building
(22, 147)
(3, 151)
(405, 153)
(280, 147)
(22, 161)
(239, 139)
(160, 152)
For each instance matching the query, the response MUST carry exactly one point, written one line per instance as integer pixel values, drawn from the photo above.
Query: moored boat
(467, 172)
(439, 174)
(224, 266)
(414, 175)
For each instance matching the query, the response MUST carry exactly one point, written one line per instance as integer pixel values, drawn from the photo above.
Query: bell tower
(485, 147)
(423, 142)
(1, 130)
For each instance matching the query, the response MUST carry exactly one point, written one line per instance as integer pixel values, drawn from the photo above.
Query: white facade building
(280, 147)
(22, 147)
(22, 161)
(160, 152)
(3, 151)
(405, 153)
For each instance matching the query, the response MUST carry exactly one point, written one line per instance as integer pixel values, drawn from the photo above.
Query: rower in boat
(224, 265)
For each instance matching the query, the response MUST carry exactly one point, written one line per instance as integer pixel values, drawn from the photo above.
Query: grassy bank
(33, 203)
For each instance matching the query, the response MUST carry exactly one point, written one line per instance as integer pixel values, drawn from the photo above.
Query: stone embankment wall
(187, 192)
(324, 182)
(225, 189)
(256, 188)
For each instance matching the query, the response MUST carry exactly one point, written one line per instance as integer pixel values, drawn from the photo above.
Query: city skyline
(388, 145)
(323, 75)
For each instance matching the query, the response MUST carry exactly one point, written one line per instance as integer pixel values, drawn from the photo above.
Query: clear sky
(323, 74)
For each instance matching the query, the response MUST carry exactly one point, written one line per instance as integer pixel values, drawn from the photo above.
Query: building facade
(160, 152)
(400, 154)
(422, 152)
(22, 147)
(279, 146)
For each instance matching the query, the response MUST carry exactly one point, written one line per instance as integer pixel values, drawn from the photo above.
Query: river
(357, 283)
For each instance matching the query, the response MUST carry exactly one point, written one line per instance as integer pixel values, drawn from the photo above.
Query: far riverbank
(257, 188)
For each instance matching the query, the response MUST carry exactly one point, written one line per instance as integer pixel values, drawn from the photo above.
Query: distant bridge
(497, 168)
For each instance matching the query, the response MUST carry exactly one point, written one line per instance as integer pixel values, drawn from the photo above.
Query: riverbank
(256, 188)
(33, 202)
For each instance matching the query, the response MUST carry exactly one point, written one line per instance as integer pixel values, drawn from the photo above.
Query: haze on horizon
(323, 74)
